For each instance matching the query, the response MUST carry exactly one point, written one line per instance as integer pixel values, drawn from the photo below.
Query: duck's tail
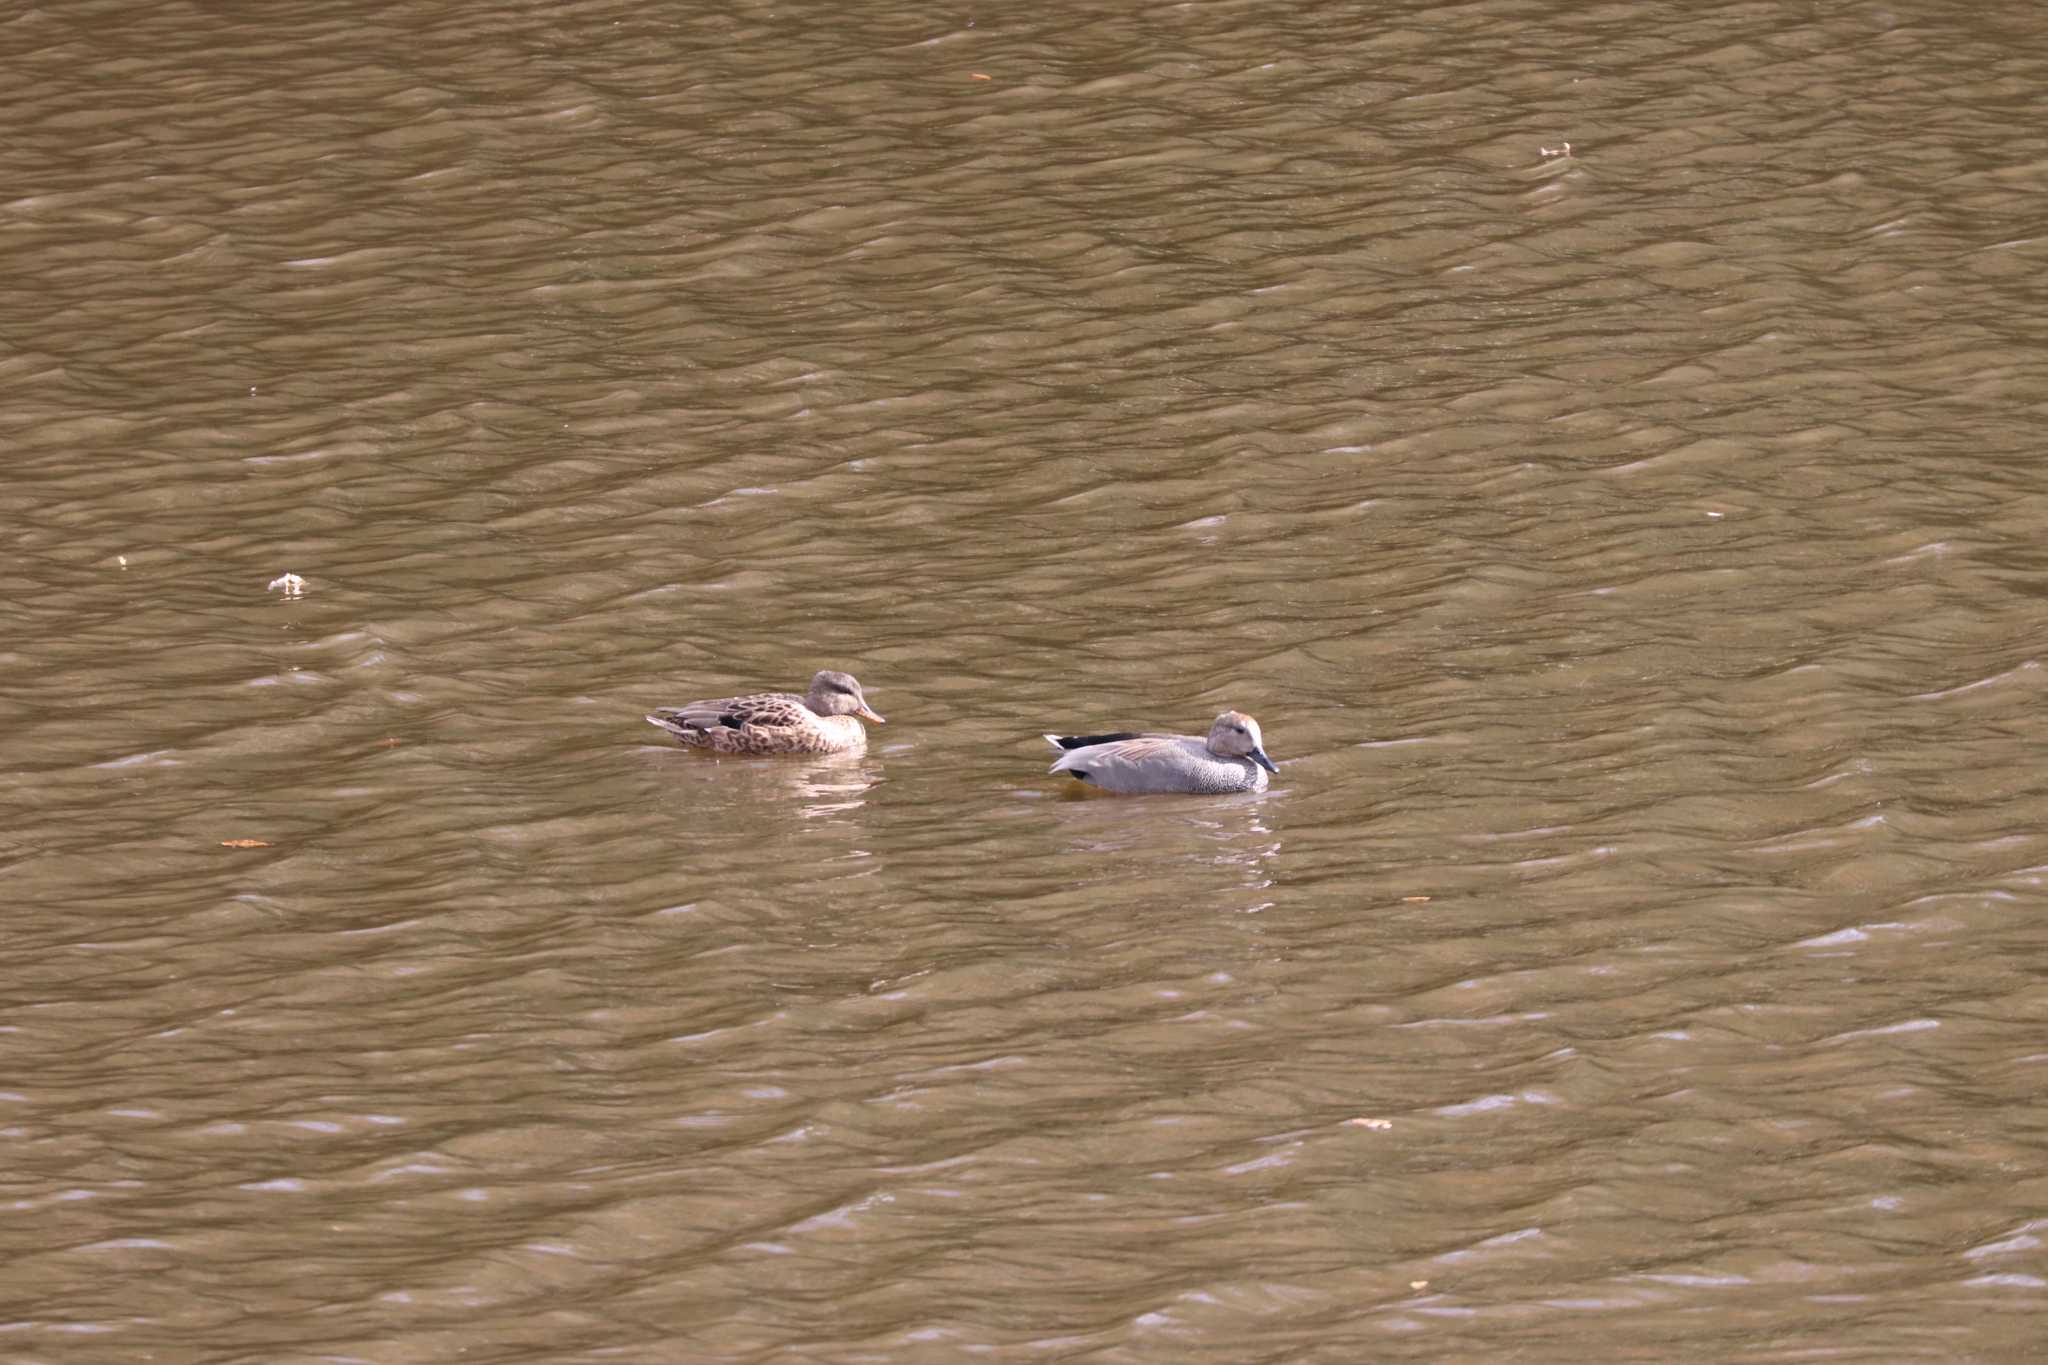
(674, 726)
(1069, 742)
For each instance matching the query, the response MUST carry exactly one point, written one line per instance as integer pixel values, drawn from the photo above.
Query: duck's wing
(769, 710)
(1089, 741)
(1125, 753)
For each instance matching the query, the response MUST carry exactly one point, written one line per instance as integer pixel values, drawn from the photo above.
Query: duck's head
(837, 694)
(1236, 735)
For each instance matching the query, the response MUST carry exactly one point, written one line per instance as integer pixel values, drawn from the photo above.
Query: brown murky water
(1635, 556)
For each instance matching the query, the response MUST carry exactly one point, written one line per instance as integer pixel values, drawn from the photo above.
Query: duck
(825, 720)
(1232, 759)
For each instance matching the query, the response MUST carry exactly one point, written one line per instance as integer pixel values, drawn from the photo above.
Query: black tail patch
(1083, 741)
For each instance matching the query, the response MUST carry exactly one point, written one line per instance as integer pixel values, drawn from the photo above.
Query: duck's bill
(1259, 757)
(867, 713)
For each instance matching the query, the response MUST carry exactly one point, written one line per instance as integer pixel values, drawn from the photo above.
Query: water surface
(1633, 553)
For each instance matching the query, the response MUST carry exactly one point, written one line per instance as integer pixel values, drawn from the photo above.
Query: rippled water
(1633, 552)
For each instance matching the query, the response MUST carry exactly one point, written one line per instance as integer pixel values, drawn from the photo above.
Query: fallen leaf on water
(244, 843)
(976, 75)
(1376, 1124)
